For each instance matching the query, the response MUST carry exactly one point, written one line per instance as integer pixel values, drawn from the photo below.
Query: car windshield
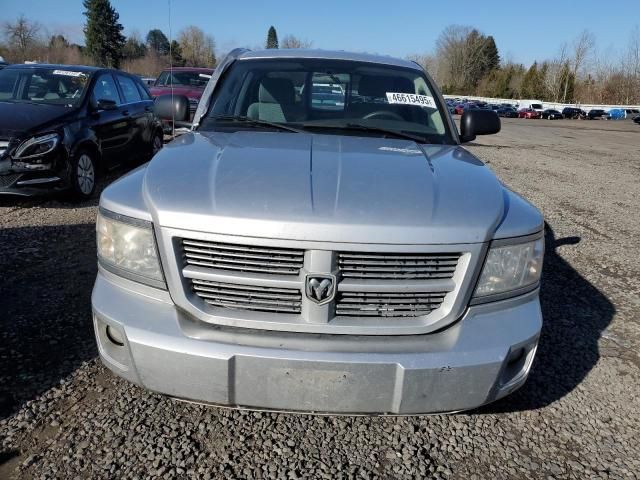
(183, 79)
(536, 106)
(48, 86)
(330, 96)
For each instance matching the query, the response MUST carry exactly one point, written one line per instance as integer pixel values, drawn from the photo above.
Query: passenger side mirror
(173, 108)
(478, 122)
(104, 104)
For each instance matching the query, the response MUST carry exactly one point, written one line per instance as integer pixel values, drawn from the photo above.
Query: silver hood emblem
(320, 288)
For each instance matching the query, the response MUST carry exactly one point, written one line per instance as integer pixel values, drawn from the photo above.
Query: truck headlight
(37, 146)
(510, 268)
(127, 247)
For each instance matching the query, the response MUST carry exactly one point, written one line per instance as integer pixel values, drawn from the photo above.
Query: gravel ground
(65, 416)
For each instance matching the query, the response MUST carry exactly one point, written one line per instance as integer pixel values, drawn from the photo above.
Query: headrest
(276, 90)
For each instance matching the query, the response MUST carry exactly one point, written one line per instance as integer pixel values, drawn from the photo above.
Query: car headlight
(37, 146)
(510, 268)
(127, 247)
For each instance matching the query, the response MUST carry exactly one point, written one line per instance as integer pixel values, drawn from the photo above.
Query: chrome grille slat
(213, 258)
(241, 248)
(248, 297)
(401, 266)
(234, 254)
(386, 304)
(242, 258)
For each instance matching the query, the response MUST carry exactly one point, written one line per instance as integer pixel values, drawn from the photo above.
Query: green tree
(158, 41)
(568, 79)
(272, 38)
(134, 48)
(531, 82)
(176, 54)
(490, 53)
(58, 41)
(103, 33)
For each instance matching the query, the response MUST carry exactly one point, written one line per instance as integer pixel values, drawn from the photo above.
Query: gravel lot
(65, 416)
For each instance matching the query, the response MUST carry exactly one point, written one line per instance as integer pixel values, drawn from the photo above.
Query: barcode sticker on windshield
(411, 99)
(68, 73)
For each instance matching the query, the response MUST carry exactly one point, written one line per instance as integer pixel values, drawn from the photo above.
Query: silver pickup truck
(319, 241)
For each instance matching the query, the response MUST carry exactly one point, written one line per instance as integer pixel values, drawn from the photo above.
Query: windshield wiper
(367, 128)
(255, 122)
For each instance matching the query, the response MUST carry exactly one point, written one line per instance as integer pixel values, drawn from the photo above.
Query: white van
(536, 105)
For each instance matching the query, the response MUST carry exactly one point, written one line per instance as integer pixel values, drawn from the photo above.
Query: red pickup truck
(187, 81)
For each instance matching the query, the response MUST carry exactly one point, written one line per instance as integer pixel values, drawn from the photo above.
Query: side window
(328, 91)
(105, 89)
(162, 79)
(142, 90)
(129, 90)
(8, 84)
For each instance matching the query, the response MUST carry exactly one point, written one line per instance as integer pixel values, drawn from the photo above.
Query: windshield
(536, 106)
(331, 96)
(185, 79)
(46, 86)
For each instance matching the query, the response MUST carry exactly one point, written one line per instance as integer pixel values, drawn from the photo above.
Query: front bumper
(25, 181)
(484, 356)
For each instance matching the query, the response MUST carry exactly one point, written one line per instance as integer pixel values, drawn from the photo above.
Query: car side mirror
(104, 104)
(478, 122)
(173, 108)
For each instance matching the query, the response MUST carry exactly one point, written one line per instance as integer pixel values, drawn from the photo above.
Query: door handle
(125, 112)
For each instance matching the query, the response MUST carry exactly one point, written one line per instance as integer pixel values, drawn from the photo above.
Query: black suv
(573, 112)
(596, 113)
(60, 125)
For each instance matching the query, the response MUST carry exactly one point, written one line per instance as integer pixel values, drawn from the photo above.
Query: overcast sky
(524, 31)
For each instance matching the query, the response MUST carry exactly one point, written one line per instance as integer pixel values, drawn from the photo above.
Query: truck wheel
(83, 175)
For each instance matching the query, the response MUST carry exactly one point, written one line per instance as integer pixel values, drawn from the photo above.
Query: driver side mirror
(173, 108)
(478, 122)
(104, 104)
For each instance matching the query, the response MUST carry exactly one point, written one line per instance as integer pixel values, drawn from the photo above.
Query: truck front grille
(269, 283)
(248, 297)
(388, 304)
(242, 258)
(397, 266)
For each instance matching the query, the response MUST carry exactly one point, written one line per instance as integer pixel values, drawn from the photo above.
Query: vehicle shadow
(46, 331)
(575, 313)
(47, 273)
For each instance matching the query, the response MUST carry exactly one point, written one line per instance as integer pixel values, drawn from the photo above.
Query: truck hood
(325, 188)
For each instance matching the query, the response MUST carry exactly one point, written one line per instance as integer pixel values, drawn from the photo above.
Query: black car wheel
(156, 143)
(83, 175)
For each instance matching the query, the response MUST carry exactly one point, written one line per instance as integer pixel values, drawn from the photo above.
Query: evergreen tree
(532, 83)
(176, 54)
(158, 41)
(490, 54)
(133, 48)
(272, 38)
(103, 33)
(569, 79)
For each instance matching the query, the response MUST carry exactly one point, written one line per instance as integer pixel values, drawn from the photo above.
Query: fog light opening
(515, 357)
(114, 336)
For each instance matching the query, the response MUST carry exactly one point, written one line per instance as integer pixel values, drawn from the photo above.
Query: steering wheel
(383, 114)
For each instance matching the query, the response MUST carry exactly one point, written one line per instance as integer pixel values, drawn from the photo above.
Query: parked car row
(531, 109)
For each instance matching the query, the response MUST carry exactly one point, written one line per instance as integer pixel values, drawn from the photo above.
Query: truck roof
(328, 55)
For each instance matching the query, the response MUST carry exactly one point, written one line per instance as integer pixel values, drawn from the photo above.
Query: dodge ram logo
(320, 288)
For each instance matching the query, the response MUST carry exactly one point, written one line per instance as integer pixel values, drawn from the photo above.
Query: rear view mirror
(173, 108)
(478, 122)
(104, 104)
